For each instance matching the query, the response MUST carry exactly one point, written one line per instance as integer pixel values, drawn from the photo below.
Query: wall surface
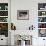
(24, 5)
(32, 6)
(3, 1)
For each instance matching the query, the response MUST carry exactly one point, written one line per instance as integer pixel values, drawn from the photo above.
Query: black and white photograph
(41, 19)
(3, 19)
(41, 6)
(42, 32)
(22, 14)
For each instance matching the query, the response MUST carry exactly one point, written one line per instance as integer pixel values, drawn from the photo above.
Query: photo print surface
(22, 14)
(42, 32)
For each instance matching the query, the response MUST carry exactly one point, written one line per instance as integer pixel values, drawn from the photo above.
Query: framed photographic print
(4, 29)
(42, 32)
(3, 19)
(22, 14)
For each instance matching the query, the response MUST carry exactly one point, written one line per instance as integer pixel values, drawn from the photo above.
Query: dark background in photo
(42, 32)
(41, 5)
(22, 14)
(4, 29)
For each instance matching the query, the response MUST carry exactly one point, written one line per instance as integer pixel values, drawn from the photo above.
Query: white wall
(3, 1)
(24, 5)
(4, 41)
(32, 6)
